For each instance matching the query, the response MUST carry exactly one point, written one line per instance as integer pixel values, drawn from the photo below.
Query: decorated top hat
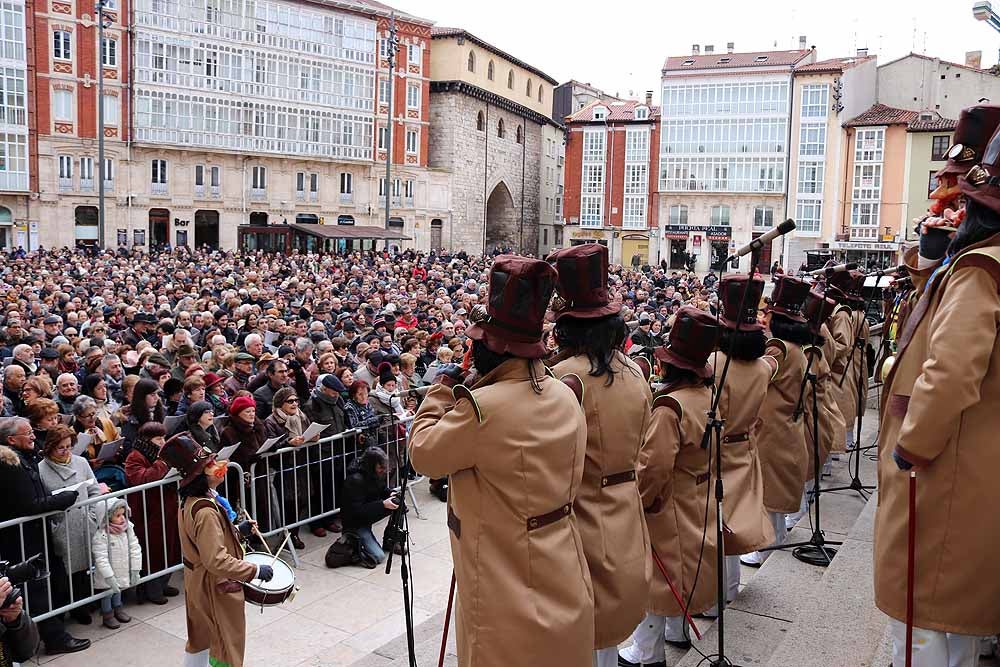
(789, 296)
(817, 310)
(519, 293)
(731, 294)
(582, 283)
(982, 182)
(187, 456)
(972, 133)
(692, 339)
(841, 280)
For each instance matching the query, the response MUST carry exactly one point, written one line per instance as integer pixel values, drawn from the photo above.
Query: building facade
(926, 83)
(551, 188)
(570, 97)
(18, 154)
(611, 176)
(929, 137)
(487, 113)
(724, 152)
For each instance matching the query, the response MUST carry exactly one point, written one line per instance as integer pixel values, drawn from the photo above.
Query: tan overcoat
(850, 323)
(831, 422)
(675, 482)
(213, 560)
(608, 508)
(781, 441)
(524, 591)
(940, 410)
(749, 527)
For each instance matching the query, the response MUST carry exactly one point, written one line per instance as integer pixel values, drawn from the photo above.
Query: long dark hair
(674, 377)
(599, 339)
(197, 488)
(790, 330)
(139, 410)
(980, 223)
(366, 463)
(749, 345)
(487, 360)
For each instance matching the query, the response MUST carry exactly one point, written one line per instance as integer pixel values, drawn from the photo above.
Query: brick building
(611, 175)
(16, 149)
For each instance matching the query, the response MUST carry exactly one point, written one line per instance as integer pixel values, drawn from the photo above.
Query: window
(720, 216)
(510, 79)
(634, 214)
(520, 139)
(383, 48)
(109, 52)
(500, 129)
(87, 173)
(381, 188)
(593, 145)
(408, 187)
(383, 91)
(61, 45)
(472, 62)
(159, 172)
(811, 178)
(869, 145)
(259, 176)
(413, 96)
(636, 179)
(382, 138)
(678, 215)
(812, 140)
(600, 113)
(864, 220)
(111, 110)
(414, 52)
(489, 71)
(730, 174)
(763, 217)
(540, 90)
(641, 113)
(346, 183)
(314, 183)
(867, 181)
(939, 147)
(637, 144)
(808, 216)
(412, 139)
(527, 88)
(199, 176)
(65, 167)
(815, 101)
(397, 186)
(300, 182)
(932, 183)
(480, 124)
(62, 102)
(109, 171)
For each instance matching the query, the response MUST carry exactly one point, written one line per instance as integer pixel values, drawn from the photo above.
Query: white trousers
(780, 537)
(199, 659)
(932, 648)
(732, 580)
(606, 657)
(647, 641)
(791, 520)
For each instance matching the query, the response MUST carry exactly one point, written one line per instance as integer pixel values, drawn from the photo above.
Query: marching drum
(281, 588)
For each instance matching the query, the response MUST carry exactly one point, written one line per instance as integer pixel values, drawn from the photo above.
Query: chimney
(649, 98)
(863, 53)
(709, 49)
(695, 50)
(802, 41)
(974, 59)
(730, 46)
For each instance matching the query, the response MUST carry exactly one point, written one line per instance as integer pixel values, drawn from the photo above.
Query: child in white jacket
(117, 559)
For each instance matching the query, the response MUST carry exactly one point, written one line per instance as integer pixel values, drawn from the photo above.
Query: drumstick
(279, 550)
(266, 548)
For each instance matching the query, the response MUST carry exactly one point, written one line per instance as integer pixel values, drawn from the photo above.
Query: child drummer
(212, 554)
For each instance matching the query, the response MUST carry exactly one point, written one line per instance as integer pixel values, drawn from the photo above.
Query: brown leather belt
(618, 478)
(542, 520)
(188, 564)
(454, 523)
(735, 437)
(702, 478)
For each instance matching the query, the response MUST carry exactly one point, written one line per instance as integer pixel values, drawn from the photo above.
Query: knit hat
(240, 404)
(281, 396)
(197, 409)
(385, 374)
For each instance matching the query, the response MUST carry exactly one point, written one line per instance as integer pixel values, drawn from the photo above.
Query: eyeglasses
(87, 415)
(291, 400)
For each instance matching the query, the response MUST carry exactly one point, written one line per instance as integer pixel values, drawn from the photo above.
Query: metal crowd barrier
(63, 589)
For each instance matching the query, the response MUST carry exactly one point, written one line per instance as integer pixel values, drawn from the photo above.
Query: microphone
(902, 269)
(761, 241)
(410, 392)
(839, 268)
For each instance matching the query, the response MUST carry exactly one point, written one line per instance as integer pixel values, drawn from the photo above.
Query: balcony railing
(215, 191)
(159, 188)
(199, 190)
(258, 193)
(65, 184)
(408, 202)
(300, 195)
(346, 197)
(313, 196)
(87, 184)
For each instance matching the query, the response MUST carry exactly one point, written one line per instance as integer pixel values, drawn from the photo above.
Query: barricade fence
(282, 490)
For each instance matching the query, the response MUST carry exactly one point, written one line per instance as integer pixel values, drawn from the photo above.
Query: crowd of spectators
(235, 349)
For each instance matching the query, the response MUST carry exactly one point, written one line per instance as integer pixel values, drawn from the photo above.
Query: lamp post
(983, 11)
(393, 50)
(99, 9)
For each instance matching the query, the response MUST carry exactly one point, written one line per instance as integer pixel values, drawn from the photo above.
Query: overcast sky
(620, 46)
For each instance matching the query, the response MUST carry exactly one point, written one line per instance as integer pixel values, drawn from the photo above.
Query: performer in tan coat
(515, 447)
(842, 329)
(781, 440)
(854, 383)
(940, 418)
(675, 483)
(591, 333)
(213, 558)
(749, 373)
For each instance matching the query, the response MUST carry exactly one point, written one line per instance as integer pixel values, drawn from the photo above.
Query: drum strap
(188, 564)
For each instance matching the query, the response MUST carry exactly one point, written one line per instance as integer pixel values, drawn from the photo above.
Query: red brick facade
(420, 35)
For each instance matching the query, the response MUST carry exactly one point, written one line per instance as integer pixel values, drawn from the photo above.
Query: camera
(31, 569)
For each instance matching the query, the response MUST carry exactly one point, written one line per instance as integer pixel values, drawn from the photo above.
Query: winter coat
(264, 398)
(323, 409)
(830, 422)
(18, 643)
(249, 436)
(153, 513)
(608, 507)
(743, 504)
(524, 590)
(292, 482)
(674, 481)
(940, 412)
(781, 441)
(841, 327)
(71, 535)
(115, 556)
(206, 437)
(216, 620)
(362, 500)
(361, 417)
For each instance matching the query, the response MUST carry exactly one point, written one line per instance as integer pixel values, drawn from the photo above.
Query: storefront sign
(863, 245)
(715, 232)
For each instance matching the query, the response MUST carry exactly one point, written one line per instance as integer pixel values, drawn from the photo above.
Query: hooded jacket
(115, 556)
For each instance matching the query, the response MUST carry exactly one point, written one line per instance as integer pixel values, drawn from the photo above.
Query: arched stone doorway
(501, 219)
(206, 228)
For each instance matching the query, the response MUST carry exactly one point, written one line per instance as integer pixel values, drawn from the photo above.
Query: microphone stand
(397, 533)
(714, 428)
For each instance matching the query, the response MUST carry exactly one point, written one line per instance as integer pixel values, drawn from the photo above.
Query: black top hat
(731, 294)
(692, 339)
(789, 296)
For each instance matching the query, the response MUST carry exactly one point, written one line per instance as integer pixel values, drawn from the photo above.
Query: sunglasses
(291, 400)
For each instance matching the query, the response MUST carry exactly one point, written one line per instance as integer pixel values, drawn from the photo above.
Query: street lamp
(983, 11)
(99, 9)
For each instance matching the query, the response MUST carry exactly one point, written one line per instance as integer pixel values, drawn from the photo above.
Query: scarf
(294, 424)
(118, 527)
(224, 504)
(64, 461)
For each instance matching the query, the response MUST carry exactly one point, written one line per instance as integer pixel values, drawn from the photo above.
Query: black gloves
(65, 500)
(450, 375)
(934, 242)
(265, 573)
(901, 463)
(245, 529)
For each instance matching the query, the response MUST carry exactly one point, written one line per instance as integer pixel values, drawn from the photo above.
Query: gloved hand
(265, 572)
(115, 587)
(901, 463)
(934, 242)
(449, 375)
(133, 578)
(245, 529)
(66, 499)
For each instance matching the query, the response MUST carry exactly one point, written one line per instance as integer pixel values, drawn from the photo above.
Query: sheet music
(268, 444)
(314, 430)
(227, 452)
(83, 441)
(109, 449)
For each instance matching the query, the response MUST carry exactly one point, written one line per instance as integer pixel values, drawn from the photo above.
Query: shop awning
(350, 232)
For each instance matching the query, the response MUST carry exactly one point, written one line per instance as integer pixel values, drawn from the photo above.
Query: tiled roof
(617, 111)
(880, 114)
(832, 65)
(728, 60)
(382, 9)
(938, 124)
(442, 32)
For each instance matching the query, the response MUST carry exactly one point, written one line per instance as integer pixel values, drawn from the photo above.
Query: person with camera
(23, 494)
(18, 633)
(367, 499)
(213, 553)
